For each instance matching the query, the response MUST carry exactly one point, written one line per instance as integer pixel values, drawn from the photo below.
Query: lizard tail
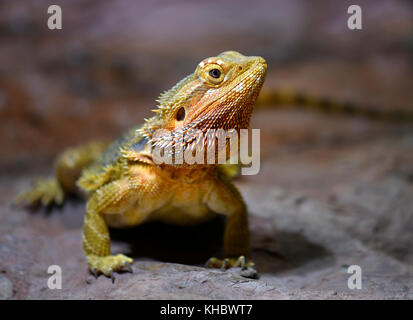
(283, 98)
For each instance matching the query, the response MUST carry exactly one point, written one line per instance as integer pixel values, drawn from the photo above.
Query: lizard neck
(189, 174)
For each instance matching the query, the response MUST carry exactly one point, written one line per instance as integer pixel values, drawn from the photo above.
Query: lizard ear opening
(180, 115)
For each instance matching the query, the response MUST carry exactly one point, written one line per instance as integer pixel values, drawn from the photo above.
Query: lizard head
(219, 94)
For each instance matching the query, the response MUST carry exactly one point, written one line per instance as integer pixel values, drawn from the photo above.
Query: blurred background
(332, 190)
(102, 72)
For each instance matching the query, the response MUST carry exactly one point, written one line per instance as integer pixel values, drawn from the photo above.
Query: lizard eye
(180, 115)
(213, 73)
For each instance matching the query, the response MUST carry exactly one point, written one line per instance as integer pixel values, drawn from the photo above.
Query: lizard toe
(248, 268)
(107, 265)
(44, 192)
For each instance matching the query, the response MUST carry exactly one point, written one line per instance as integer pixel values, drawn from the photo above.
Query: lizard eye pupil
(180, 115)
(215, 73)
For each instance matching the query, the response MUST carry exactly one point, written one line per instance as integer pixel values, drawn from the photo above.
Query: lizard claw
(109, 264)
(224, 265)
(248, 268)
(128, 267)
(112, 276)
(45, 192)
(242, 262)
(211, 262)
(95, 273)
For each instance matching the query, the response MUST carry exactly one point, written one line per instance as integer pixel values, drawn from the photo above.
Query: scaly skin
(125, 187)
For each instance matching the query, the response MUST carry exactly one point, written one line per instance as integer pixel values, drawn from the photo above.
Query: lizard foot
(46, 191)
(109, 264)
(248, 268)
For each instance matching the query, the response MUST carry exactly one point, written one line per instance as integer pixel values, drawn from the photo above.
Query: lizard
(125, 187)
(112, 175)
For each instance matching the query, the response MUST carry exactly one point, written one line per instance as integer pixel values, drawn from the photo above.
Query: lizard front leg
(128, 200)
(95, 238)
(227, 200)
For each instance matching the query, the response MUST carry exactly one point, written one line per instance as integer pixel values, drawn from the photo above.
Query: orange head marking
(220, 94)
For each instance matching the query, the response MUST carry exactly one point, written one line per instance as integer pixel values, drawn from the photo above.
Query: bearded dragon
(125, 187)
